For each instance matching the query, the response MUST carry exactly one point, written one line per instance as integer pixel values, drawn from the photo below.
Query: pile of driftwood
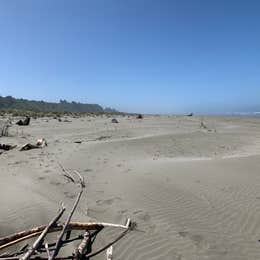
(41, 249)
(28, 146)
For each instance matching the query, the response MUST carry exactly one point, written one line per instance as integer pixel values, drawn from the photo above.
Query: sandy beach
(193, 188)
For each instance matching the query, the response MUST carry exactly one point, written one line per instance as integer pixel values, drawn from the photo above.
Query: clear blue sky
(161, 56)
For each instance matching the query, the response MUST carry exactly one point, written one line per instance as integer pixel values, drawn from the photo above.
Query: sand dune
(194, 191)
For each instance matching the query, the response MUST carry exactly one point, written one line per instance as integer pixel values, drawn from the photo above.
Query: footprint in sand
(10, 156)
(142, 215)
(107, 202)
(179, 257)
(56, 183)
(167, 179)
(145, 217)
(18, 163)
(196, 239)
(69, 195)
(122, 212)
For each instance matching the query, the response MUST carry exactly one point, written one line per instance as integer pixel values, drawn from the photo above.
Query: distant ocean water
(257, 114)
(251, 114)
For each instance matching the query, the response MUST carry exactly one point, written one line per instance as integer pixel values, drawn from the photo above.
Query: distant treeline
(10, 102)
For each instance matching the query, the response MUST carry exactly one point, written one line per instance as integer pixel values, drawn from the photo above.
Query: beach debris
(77, 142)
(7, 147)
(67, 173)
(114, 120)
(41, 247)
(66, 120)
(202, 125)
(140, 116)
(24, 122)
(83, 247)
(109, 253)
(103, 137)
(39, 144)
(4, 128)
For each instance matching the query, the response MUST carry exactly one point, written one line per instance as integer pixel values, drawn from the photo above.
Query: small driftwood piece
(39, 144)
(83, 247)
(66, 173)
(47, 250)
(7, 147)
(140, 116)
(38, 242)
(109, 253)
(114, 120)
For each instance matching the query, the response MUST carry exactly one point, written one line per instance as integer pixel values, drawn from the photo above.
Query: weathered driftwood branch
(128, 227)
(39, 144)
(65, 227)
(47, 250)
(81, 179)
(39, 240)
(66, 173)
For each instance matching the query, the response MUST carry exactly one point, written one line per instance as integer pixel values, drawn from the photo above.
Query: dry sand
(194, 192)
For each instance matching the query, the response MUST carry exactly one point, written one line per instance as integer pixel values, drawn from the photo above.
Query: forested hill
(9, 102)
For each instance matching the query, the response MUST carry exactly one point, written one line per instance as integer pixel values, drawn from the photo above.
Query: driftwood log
(24, 122)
